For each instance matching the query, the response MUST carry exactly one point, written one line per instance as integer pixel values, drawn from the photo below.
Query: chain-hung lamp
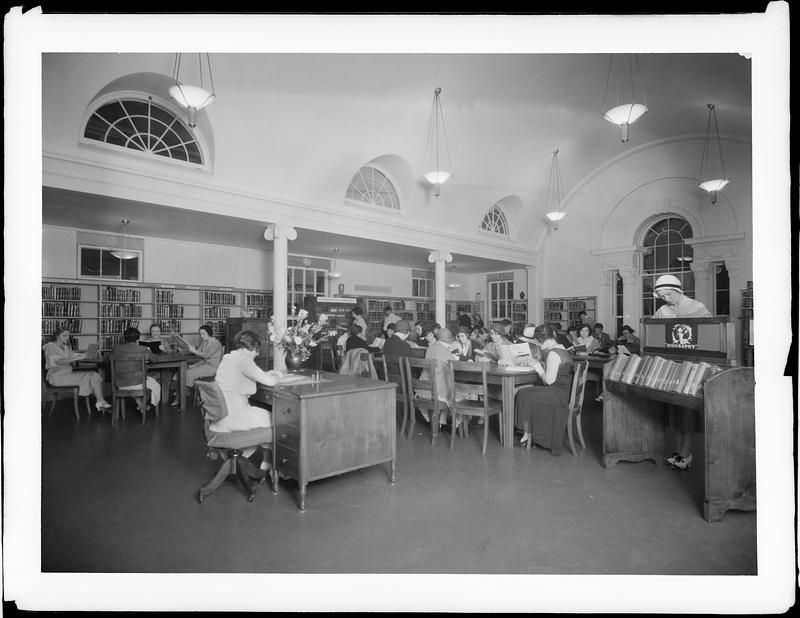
(124, 253)
(436, 146)
(193, 97)
(554, 198)
(712, 177)
(453, 283)
(629, 102)
(335, 274)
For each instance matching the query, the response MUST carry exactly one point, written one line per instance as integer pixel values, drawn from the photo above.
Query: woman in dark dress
(545, 407)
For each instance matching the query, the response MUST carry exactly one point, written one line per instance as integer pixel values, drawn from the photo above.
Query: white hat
(667, 282)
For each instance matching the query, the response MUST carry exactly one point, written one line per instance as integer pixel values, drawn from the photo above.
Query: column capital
(701, 269)
(277, 230)
(628, 274)
(439, 256)
(605, 277)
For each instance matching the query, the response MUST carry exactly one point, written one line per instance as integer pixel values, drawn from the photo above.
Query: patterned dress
(546, 408)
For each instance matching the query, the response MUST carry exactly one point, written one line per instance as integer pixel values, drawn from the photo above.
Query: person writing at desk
(128, 376)
(210, 353)
(544, 409)
(58, 358)
(676, 305)
(155, 342)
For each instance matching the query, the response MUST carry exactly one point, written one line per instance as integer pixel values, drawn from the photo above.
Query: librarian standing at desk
(668, 288)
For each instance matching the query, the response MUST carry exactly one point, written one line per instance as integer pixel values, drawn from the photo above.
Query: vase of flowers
(297, 340)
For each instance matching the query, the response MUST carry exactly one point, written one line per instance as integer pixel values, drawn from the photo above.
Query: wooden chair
(414, 367)
(51, 393)
(482, 406)
(576, 404)
(394, 371)
(358, 362)
(228, 446)
(119, 395)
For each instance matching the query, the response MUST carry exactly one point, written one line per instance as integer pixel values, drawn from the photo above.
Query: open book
(179, 341)
(516, 355)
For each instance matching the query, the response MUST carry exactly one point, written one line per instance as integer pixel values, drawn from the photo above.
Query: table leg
(507, 433)
(166, 376)
(301, 498)
(181, 382)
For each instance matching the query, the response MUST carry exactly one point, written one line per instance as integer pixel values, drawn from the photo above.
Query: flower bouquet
(298, 339)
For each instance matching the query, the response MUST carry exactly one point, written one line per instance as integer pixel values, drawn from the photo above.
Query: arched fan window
(371, 186)
(143, 126)
(495, 221)
(666, 253)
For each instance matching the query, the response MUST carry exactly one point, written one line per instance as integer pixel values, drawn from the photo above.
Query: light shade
(436, 177)
(193, 97)
(629, 103)
(555, 215)
(712, 176)
(553, 199)
(436, 146)
(334, 273)
(124, 253)
(625, 114)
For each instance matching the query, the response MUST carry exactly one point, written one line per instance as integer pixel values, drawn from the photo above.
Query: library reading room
(435, 315)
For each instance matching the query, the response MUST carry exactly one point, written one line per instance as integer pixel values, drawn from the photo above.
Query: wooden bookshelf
(634, 416)
(565, 310)
(746, 326)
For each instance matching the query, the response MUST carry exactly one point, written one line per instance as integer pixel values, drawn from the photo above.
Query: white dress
(237, 376)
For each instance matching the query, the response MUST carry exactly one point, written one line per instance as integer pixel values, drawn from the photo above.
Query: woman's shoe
(174, 403)
(102, 406)
(525, 437)
(682, 463)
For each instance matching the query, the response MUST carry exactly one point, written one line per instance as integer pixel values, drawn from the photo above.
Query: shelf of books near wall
(411, 309)
(257, 304)
(123, 307)
(519, 315)
(566, 310)
(70, 305)
(177, 310)
(747, 315)
(219, 304)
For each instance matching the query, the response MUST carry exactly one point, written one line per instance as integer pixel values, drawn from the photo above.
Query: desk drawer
(284, 412)
(288, 461)
(288, 435)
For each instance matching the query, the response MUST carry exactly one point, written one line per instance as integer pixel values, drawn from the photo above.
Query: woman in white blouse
(237, 377)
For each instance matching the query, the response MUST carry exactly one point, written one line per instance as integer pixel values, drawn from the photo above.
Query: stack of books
(677, 376)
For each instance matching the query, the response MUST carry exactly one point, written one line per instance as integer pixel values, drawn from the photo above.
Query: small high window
(372, 187)
(143, 126)
(495, 221)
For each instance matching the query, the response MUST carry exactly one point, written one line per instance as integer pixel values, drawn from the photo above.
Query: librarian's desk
(634, 429)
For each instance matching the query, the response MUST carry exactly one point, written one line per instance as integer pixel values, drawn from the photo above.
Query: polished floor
(123, 500)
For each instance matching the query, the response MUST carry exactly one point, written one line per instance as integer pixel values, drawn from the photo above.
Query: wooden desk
(165, 364)
(510, 382)
(634, 430)
(337, 425)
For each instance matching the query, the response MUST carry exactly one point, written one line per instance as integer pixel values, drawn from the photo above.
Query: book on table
(689, 378)
(618, 367)
(179, 341)
(644, 367)
(702, 369)
(655, 367)
(516, 355)
(630, 368)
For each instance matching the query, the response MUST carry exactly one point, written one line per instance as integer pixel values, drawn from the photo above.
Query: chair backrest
(394, 370)
(578, 386)
(212, 401)
(420, 367)
(127, 364)
(358, 362)
(471, 387)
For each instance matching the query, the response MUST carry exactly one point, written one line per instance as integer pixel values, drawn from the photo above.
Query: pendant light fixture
(629, 102)
(193, 97)
(436, 146)
(334, 274)
(712, 177)
(124, 253)
(453, 284)
(553, 208)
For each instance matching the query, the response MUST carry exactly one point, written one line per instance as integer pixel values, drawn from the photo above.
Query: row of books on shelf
(121, 311)
(50, 326)
(216, 312)
(129, 295)
(258, 300)
(63, 308)
(60, 293)
(169, 311)
(165, 296)
(684, 377)
(219, 298)
(117, 326)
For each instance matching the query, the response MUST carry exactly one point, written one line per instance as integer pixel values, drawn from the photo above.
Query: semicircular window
(495, 221)
(373, 187)
(140, 124)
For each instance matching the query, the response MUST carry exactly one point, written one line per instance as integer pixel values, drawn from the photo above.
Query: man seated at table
(396, 345)
(128, 375)
(603, 338)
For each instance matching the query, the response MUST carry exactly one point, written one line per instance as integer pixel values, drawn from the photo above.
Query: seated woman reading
(58, 358)
(210, 353)
(155, 342)
(544, 409)
(585, 343)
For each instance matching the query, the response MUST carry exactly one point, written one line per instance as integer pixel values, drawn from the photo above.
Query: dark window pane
(109, 265)
(95, 128)
(136, 108)
(111, 111)
(130, 269)
(161, 115)
(90, 262)
(194, 153)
